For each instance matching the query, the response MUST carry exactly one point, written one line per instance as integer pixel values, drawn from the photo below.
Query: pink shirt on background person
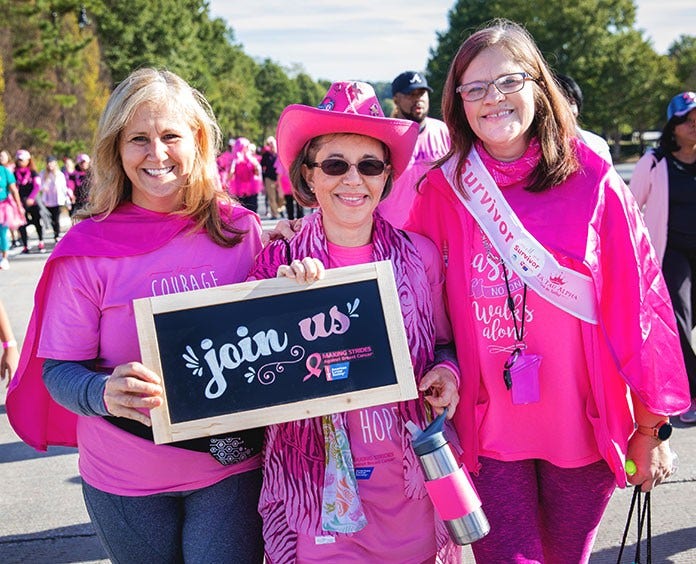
(54, 188)
(90, 300)
(283, 178)
(432, 143)
(224, 161)
(375, 442)
(245, 180)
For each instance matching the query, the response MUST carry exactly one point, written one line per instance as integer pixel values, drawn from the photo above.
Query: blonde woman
(155, 212)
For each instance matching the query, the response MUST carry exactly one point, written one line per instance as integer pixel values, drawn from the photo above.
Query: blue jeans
(217, 524)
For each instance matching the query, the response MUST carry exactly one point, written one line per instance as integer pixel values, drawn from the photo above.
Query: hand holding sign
(131, 388)
(252, 354)
(303, 271)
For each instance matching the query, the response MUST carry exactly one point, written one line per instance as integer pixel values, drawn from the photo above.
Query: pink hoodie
(636, 328)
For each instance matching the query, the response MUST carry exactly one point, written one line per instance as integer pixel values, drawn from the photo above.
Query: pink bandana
(508, 173)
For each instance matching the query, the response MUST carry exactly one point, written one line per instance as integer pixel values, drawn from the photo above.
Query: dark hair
(553, 124)
(571, 89)
(668, 141)
(301, 190)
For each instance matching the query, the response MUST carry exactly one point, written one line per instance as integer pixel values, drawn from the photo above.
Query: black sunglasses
(338, 167)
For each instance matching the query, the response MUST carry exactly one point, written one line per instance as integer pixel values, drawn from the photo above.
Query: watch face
(664, 432)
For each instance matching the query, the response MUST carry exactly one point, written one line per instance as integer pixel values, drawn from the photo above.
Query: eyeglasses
(338, 167)
(505, 84)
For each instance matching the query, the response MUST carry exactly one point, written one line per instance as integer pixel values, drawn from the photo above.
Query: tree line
(626, 83)
(61, 58)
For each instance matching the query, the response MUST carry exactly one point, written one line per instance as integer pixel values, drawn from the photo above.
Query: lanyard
(519, 333)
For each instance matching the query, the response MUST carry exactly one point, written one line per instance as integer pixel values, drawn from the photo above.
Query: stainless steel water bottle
(448, 483)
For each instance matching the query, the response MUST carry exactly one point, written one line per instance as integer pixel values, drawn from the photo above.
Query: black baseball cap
(409, 81)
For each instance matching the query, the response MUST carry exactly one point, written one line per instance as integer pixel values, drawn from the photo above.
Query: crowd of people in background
(35, 198)
(248, 172)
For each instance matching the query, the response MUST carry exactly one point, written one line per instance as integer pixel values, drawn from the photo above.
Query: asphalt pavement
(43, 519)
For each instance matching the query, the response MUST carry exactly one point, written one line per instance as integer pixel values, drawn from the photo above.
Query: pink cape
(128, 231)
(592, 218)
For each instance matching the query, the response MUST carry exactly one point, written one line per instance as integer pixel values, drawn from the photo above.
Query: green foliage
(276, 91)
(58, 71)
(61, 68)
(624, 82)
(309, 92)
(153, 33)
(384, 95)
(3, 115)
(683, 54)
(69, 148)
(227, 80)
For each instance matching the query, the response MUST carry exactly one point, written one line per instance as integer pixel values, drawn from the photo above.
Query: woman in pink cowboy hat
(335, 486)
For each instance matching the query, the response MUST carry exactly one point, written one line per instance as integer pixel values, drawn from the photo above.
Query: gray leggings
(217, 524)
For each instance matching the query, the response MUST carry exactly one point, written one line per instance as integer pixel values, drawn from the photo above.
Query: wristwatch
(662, 431)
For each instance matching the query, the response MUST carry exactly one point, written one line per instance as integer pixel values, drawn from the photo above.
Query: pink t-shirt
(224, 161)
(516, 432)
(375, 441)
(432, 143)
(89, 315)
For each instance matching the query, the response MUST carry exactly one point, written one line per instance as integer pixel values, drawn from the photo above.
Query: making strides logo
(248, 349)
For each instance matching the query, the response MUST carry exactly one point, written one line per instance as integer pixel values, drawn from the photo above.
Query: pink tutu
(10, 214)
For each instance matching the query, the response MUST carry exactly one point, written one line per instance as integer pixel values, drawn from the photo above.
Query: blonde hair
(109, 186)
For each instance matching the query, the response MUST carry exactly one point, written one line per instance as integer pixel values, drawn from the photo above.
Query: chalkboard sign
(252, 354)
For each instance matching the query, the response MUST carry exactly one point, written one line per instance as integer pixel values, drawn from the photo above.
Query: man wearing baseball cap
(411, 95)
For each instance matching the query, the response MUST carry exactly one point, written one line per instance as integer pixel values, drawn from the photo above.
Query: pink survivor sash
(537, 267)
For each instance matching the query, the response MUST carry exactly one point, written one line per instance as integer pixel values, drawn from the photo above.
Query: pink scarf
(508, 173)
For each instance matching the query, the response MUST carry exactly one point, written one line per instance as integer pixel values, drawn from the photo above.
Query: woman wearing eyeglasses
(557, 304)
(347, 485)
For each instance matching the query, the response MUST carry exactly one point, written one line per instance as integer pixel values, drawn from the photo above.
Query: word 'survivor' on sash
(536, 266)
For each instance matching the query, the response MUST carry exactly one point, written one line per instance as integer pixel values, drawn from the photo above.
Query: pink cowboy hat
(348, 107)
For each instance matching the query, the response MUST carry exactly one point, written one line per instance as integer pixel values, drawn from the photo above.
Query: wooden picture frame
(335, 345)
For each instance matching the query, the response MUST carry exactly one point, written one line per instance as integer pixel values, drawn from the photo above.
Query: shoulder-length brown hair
(201, 197)
(553, 124)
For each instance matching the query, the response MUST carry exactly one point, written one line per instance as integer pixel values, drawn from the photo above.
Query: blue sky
(364, 39)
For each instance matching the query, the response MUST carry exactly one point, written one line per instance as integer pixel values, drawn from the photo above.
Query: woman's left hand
(303, 271)
(653, 460)
(441, 390)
